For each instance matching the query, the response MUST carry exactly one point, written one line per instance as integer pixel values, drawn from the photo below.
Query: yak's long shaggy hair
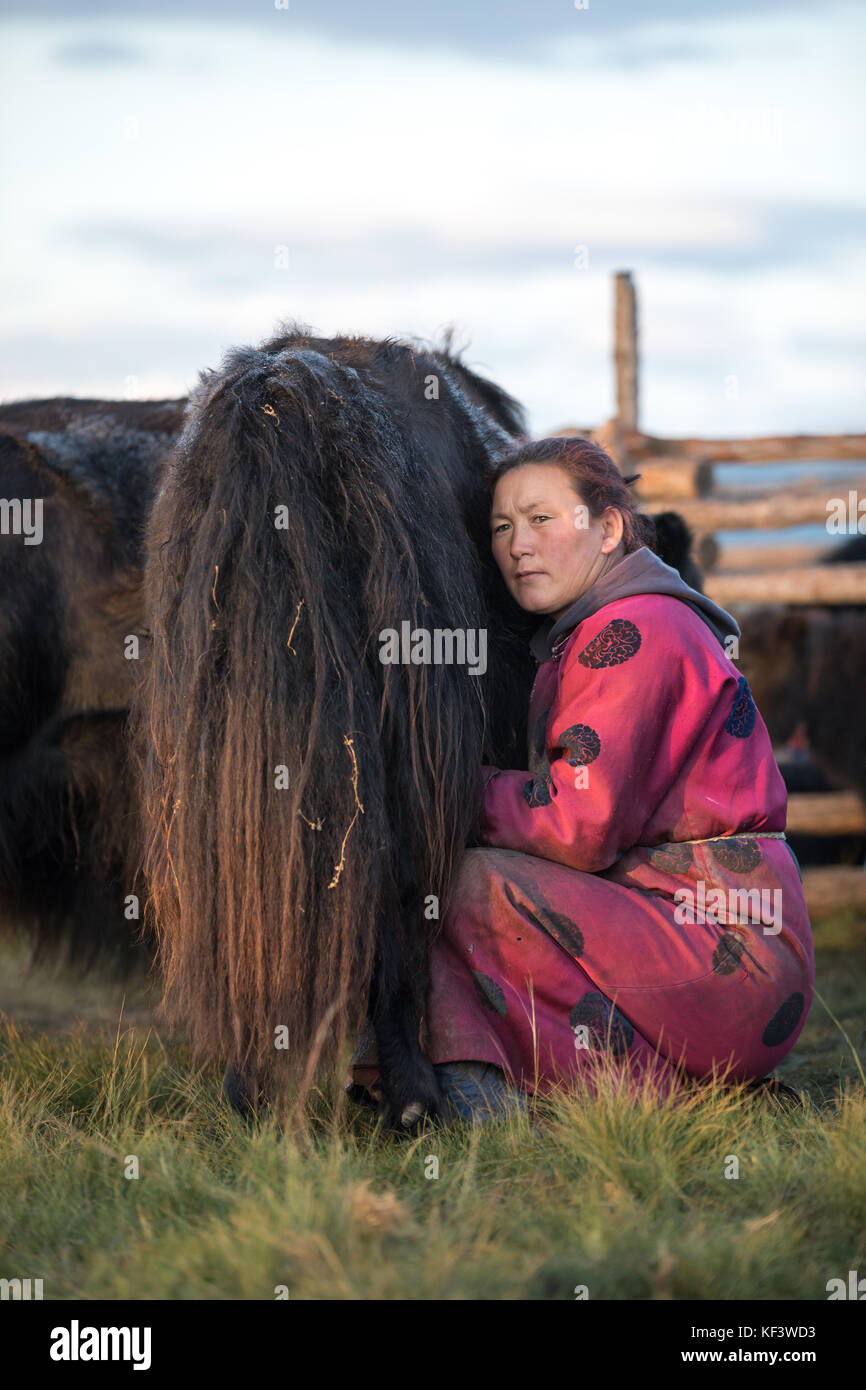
(272, 894)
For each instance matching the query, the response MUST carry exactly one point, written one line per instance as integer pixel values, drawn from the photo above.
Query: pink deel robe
(588, 924)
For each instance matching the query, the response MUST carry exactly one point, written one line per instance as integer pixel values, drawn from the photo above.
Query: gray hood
(641, 572)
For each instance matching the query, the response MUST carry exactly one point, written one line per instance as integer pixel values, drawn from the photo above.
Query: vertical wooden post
(625, 352)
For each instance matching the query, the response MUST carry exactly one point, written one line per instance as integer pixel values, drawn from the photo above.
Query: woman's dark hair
(595, 479)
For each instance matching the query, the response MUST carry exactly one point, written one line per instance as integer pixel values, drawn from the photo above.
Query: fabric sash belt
(740, 835)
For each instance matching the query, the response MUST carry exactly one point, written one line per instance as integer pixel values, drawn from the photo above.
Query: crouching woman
(632, 896)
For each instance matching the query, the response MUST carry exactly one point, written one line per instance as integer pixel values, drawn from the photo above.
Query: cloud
(98, 53)
(744, 235)
(478, 27)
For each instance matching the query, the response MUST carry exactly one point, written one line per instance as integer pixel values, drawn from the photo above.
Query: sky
(179, 177)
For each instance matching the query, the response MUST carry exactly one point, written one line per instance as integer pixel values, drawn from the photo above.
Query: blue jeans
(477, 1091)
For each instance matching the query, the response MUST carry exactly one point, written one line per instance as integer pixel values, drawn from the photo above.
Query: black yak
(69, 600)
(806, 668)
(674, 540)
(306, 804)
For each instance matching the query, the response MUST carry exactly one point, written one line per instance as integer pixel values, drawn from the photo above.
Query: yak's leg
(408, 1080)
(239, 1093)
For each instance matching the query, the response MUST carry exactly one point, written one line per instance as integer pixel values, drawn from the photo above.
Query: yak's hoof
(409, 1107)
(412, 1113)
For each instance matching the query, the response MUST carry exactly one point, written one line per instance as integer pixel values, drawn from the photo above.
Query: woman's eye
(541, 518)
(497, 529)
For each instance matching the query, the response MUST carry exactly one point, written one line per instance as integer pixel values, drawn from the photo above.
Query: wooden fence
(679, 474)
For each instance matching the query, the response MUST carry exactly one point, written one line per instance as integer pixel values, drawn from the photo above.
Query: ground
(725, 1197)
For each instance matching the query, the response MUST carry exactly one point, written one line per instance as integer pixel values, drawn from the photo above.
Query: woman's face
(549, 549)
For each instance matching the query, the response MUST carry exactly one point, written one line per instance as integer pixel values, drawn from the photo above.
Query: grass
(627, 1199)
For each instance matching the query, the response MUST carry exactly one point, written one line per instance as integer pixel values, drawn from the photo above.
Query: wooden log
(767, 557)
(826, 813)
(817, 584)
(769, 513)
(673, 478)
(824, 481)
(829, 890)
(773, 449)
(625, 353)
